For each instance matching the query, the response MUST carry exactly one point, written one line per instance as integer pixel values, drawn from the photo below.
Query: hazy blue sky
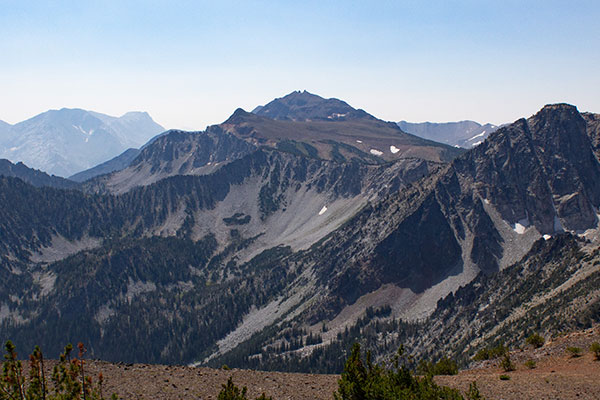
(191, 63)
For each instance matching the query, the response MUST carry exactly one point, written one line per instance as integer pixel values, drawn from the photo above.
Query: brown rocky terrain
(557, 375)
(163, 382)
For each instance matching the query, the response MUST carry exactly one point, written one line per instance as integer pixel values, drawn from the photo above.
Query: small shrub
(574, 351)
(445, 366)
(506, 363)
(481, 355)
(230, 391)
(535, 340)
(504, 377)
(473, 392)
(490, 353)
(595, 348)
(530, 364)
(225, 367)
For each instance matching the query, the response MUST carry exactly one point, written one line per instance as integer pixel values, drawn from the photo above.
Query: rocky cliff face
(593, 130)
(541, 171)
(535, 177)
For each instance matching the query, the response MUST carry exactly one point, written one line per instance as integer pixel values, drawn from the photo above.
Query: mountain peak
(305, 106)
(559, 107)
(300, 96)
(135, 115)
(239, 115)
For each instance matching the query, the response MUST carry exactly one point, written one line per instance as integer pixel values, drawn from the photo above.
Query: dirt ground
(557, 375)
(141, 381)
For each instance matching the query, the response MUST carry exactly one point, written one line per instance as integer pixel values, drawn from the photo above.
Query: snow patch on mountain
(477, 136)
(521, 225)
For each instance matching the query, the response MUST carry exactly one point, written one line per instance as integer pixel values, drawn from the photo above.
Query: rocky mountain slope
(357, 137)
(118, 163)
(334, 129)
(33, 176)
(593, 130)
(176, 153)
(257, 208)
(63, 142)
(4, 127)
(305, 106)
(475, 216)
(466, 134)
(248, 245)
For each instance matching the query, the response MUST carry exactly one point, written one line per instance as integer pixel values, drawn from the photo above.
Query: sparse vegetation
(473, 392)
(68, 377)
(574, 351)
(535, 340)
(504, 377)
(595, 348)
(506, 363)
(530, 364)
(489, 353)
(445, 366)
(230, 391)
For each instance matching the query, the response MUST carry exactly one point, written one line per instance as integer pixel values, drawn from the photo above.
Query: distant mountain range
(64, 142)
(465, 134)
(276, 242)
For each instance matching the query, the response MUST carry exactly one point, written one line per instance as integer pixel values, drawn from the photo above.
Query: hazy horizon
(191, 65)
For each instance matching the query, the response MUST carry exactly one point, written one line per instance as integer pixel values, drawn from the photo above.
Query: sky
(192, 63)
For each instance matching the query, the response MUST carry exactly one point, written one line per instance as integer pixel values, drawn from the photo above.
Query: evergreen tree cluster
(68, 380)
(364, 380)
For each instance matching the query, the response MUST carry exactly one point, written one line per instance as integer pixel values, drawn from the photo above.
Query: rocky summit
(278, 238)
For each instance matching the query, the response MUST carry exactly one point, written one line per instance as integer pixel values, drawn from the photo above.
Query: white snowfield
(394, 149)
(521, 226)
(376, 152)
(476, 136)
